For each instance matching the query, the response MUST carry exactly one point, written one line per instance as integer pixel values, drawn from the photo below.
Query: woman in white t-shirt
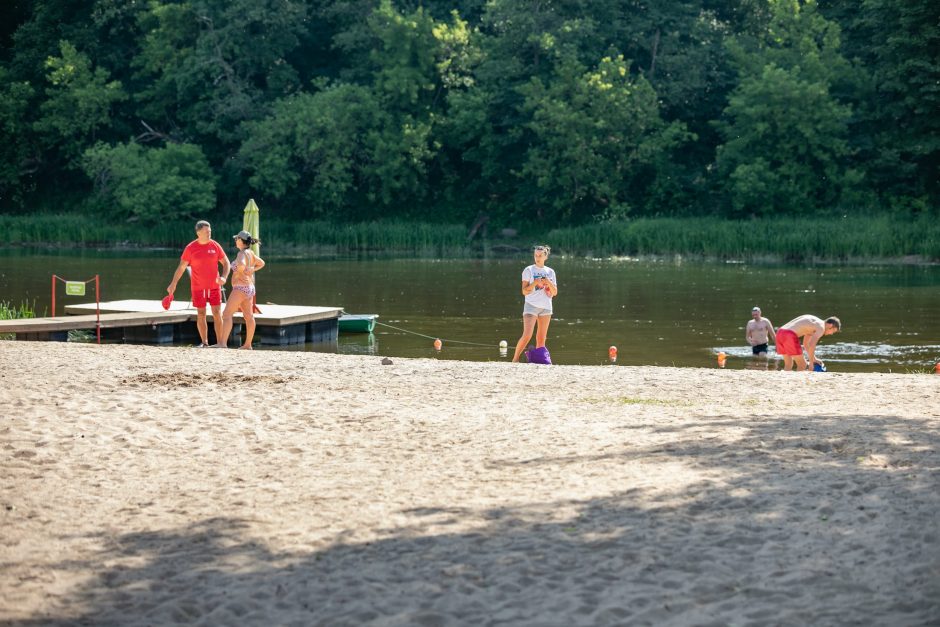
(540, 287)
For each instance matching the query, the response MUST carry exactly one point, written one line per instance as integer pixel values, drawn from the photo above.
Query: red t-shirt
(204, 260)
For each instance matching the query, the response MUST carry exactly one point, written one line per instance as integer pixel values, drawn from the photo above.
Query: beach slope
(145, 485)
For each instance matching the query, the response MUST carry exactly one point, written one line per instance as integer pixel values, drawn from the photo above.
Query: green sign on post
(74, 288)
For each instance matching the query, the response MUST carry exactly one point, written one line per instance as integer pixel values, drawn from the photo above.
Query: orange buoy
(937, 368)
(721, 360)
(437, 345)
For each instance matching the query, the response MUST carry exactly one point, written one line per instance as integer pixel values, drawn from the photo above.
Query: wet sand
(147, 485)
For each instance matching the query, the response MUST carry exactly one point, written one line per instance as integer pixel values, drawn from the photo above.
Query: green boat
(357, 323)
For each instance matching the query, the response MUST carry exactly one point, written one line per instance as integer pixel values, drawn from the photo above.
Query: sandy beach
(146, 486)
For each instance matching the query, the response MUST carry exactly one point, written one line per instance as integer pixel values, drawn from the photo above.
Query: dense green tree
(150, 184)
(897, 129)
(403, 58)
(334, 150)
(48, 24)
(208, 65)
(365, 108)
(312, 146)
(598, 135)
(18, 158)
(78, 103)
(786, 143)
(350, 145)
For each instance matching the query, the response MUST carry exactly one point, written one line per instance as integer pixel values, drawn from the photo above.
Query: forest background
(589, 117)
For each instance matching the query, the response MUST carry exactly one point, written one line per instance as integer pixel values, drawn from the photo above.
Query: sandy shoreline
(314, 489)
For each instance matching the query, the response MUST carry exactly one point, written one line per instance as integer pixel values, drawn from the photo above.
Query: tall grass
(387, 237)
(877, 237)
(9, 311)
(417, 238)
(790, 238)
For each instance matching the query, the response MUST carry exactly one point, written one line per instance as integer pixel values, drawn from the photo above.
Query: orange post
(53, 296)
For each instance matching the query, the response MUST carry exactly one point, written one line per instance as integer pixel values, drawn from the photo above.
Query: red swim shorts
(788, 343)
(213, 296)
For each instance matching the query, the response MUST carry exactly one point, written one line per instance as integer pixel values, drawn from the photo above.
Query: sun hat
(245, 235)
(755, 309)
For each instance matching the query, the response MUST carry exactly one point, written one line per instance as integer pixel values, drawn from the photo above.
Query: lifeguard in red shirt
(203, 256)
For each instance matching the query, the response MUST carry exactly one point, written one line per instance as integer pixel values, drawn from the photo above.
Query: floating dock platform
(145, 321)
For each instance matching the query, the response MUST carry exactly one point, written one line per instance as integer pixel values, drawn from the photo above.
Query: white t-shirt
(538, 297)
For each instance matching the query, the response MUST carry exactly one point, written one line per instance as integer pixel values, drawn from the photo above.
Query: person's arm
(180, 269)
(771, 332)
(550, 287)
(810, 345)
(528, 283)
(258, 263)
(747, 333)
(226, 268)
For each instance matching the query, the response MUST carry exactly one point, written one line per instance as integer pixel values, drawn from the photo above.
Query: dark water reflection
(656, 312)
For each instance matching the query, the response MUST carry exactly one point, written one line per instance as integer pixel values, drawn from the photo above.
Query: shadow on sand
(822, 520)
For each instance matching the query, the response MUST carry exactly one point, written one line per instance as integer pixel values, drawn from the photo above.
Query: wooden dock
(57, 328)
(145, 321)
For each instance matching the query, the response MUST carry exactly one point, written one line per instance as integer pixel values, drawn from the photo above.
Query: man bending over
(811, 329)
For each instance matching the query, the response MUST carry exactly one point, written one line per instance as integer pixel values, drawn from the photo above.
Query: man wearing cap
(203, 256)
(757, 332)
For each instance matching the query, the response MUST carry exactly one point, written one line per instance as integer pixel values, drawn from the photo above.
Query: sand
(147, 485)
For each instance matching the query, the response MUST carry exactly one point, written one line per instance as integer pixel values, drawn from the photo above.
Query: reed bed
(9, 311)
(788, 238)
(791, 239)
(418, 238)
(421, 239)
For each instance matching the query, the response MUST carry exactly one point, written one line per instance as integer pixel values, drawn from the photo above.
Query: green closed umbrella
(250, 223)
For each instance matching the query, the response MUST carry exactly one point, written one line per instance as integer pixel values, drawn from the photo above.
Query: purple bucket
(538, 356)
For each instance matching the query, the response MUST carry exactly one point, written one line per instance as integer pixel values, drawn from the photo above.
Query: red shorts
(788, 343)
(213, 297)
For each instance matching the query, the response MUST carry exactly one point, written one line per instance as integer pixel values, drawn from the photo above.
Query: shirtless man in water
(811, 329)
(758, 331)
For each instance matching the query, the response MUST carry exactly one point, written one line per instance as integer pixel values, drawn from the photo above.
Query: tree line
(565, 112)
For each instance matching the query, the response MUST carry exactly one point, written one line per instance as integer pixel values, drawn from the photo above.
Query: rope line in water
(431, 337)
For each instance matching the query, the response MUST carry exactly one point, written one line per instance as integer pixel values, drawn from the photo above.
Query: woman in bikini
(243, 289)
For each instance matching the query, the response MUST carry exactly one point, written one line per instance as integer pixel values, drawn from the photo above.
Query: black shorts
(760, 348)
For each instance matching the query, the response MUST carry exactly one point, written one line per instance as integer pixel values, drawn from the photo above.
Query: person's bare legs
(202, 326)
(787, 362)
(216, 321)
(800, 363)
(528, 327)
(227, 318)
(249, 315)
(542, 333)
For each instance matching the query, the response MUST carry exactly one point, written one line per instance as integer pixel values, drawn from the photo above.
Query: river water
(656, 312)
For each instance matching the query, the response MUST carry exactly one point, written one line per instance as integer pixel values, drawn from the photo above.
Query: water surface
(657, 313)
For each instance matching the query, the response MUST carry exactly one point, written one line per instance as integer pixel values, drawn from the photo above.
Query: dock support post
(287, 334)
(153, 334)
(323, 331)
(44, 336)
